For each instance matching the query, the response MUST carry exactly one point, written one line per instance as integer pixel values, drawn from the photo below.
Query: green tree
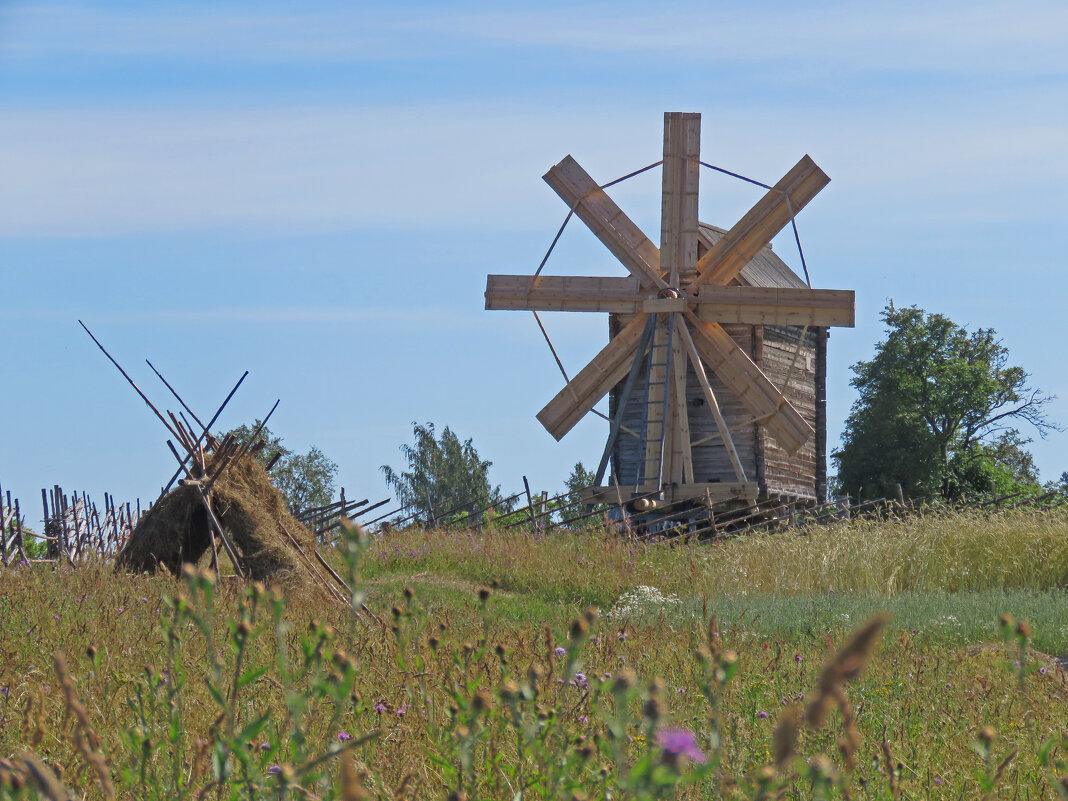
(443, 475)
(306, 480)
(937, 413)
(579, 479)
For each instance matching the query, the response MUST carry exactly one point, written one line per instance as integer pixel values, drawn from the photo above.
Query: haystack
(272, 545)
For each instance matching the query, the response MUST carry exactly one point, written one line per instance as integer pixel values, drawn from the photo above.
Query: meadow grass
(199, 688)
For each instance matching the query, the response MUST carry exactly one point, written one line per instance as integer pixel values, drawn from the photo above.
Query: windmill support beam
(713, 404)
(748, 382)
(754, 305)
(751, 305)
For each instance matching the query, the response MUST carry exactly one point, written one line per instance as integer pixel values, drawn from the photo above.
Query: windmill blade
(740, 245)
(564, 293)
(735, 369)
(758, 305)
(619, 234)
(593, 382)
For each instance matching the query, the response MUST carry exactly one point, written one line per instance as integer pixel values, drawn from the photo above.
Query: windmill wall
(801, 475)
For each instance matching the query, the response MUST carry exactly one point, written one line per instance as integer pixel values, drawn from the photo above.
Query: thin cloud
(89, 172)
(984, 38)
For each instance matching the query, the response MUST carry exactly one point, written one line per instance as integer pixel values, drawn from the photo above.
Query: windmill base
(716, 492)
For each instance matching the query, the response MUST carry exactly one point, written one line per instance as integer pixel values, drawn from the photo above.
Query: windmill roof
(767, 269)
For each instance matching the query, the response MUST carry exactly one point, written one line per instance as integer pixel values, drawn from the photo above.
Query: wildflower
(274, 769)
(379, 707)
(797, 657)
(560, 651)
(937, 781)
(264, 746)
(763, 715)
(580, 680)
(402, 710)
(1041, 671)
(5, 690)
(343, 736)
(680, 746)
(622, 635)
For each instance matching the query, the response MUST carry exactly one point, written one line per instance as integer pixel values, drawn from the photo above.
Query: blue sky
(315, 192)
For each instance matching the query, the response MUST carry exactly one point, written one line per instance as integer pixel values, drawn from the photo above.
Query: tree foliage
(937, 413)
(306, 480)
(443, 475)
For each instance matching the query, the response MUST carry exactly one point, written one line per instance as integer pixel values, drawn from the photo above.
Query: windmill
(671, 347)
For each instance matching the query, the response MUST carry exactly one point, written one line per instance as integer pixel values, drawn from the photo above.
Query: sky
(314, 192)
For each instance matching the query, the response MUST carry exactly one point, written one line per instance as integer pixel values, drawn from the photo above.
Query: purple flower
(797, 657)
(582, 719)
(343, 736)
(763, 715)
(274, 769)
(561, 651)
(622, 635)
(379, 707)
(680, 743)
(265, 746)
(580, 680)
(1041, 671)
(938, 781)
(5, 690)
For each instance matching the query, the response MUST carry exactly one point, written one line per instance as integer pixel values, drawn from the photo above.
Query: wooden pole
(530, 504)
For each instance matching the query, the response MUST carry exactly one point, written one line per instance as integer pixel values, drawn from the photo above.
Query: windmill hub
(688, 325)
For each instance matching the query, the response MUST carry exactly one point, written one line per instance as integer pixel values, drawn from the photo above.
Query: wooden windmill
(685, 325)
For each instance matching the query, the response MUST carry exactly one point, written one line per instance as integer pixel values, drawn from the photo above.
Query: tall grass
(207, 689)
(954, 552)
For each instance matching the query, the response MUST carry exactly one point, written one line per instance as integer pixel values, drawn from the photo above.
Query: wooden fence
(74, 526)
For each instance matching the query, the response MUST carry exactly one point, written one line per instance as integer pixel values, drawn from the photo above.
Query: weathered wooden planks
(564, 293)
(776, 306)
(678, 208)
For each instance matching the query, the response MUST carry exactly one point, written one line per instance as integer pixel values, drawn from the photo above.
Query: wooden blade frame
(594, 381)
(740, 245)
(594, 207)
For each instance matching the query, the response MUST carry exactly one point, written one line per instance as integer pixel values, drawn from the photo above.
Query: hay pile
(272, 545)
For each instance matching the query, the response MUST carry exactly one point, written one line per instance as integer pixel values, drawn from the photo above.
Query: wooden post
(20, 546)
(901, 496)
(530, 505)
(711, 514)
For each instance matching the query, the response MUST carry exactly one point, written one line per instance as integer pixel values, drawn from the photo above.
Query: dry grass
(964, 551)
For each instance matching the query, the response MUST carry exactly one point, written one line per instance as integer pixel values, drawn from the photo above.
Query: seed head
(483, 594)
(1023, 628)
(986, 735)
(579, 628)
(409, 593)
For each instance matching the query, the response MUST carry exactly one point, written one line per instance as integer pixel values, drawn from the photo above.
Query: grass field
(574, 665)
